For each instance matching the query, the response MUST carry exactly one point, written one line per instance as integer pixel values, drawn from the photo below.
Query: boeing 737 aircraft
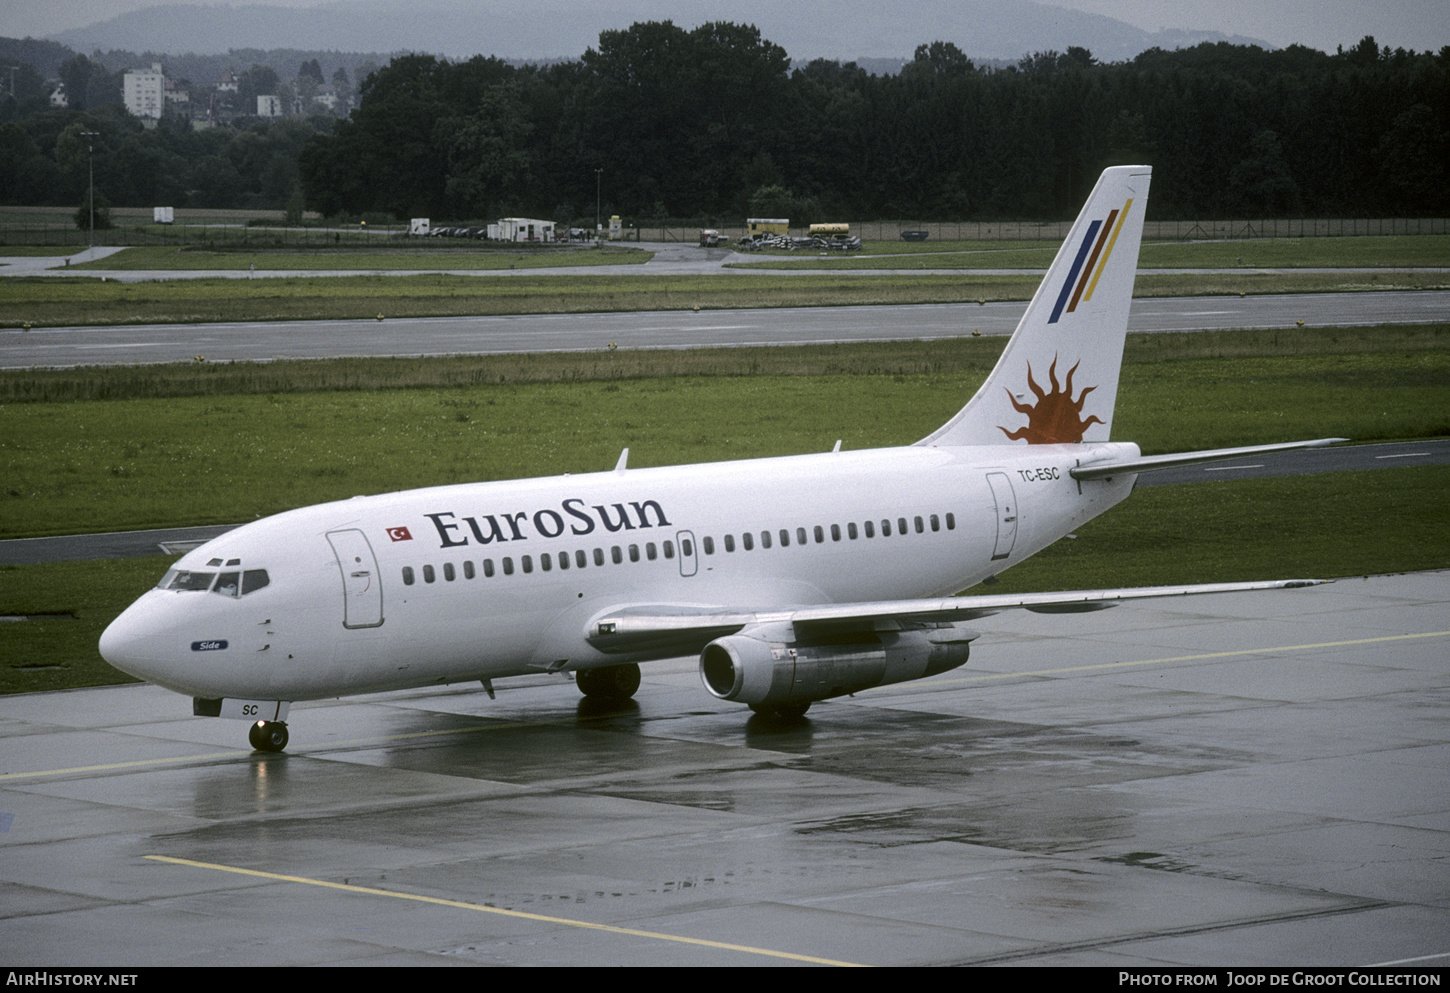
(794, 579)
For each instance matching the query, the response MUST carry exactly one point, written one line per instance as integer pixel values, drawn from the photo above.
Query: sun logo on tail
(1056, 418)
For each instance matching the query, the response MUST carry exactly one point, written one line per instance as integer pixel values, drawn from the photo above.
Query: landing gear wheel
(782, 711)
(268, 736)
(611, 683)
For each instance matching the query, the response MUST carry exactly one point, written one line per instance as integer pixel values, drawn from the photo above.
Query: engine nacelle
(755, 671)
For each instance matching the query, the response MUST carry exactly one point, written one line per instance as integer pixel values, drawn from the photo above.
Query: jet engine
(756, 671)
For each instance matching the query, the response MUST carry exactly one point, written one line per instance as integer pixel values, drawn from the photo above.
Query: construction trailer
(522, 229)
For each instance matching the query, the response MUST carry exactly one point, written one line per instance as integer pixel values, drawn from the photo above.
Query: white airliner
(794, 579)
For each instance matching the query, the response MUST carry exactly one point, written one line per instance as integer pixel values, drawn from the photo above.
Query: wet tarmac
(1240, 779)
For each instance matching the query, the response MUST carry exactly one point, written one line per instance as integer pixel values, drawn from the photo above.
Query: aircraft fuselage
(480, 581)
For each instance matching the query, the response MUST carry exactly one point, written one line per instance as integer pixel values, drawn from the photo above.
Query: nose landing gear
(268, 736)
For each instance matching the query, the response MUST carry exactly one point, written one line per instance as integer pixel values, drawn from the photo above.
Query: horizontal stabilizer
(1149, 463)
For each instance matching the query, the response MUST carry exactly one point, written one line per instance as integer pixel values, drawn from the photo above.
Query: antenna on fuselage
(623, 459)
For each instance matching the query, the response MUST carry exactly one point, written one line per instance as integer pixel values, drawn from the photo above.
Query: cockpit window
(232, 583)
(184, 579)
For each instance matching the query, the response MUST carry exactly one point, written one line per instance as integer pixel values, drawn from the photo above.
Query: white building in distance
(143, 92)
(269, 106)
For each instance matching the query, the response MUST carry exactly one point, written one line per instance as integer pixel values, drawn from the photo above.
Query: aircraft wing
(1148, 463)
(687, 628)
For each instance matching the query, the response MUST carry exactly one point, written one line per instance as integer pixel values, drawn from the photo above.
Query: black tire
(268, 736)
(612, 682)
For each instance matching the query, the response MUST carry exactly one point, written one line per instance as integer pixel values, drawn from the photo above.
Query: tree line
(663, 122)
(714, 124)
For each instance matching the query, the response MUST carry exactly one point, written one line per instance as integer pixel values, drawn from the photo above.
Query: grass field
(141, 447)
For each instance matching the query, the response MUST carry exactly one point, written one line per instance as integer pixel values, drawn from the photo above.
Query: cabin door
(688, 562)
(1006, 502)
(362, 586)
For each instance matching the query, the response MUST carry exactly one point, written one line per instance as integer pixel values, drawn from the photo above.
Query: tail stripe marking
(1092, 260)
(1067, 284)
(1111, 242)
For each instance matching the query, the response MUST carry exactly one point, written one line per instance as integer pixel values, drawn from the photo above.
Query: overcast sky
(1414, 24)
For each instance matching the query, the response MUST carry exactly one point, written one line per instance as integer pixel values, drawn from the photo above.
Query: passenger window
(709, 544)
(508, 565)
(901, 526)
(448, 572)
(729, 543)
(885, 528)
(581, 559)
(563, 560)
(669, 549)
(687, 547)
(407, 575)
(748, 541)
(598, 556)
(765, 539)
(851, 530)
(870, 529)
(821, 535)
(951, 522)
(528, 562)
(468, 569)
(428, 576)
(545, 562)
(488, 568)
(935, 523)
(650, 552)
(616, 554)
(920, 526)
(634, 553)
(784, 538)
(800, 535)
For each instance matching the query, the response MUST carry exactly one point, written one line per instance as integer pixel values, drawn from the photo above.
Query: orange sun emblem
(1056, 417)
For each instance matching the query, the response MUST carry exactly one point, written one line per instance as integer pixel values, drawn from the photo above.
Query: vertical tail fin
(1057, 380)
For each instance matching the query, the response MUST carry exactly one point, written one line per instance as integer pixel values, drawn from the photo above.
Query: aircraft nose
(123, 645)
(133, 643)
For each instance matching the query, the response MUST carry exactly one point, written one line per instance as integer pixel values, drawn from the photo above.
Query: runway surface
(263, 341)
(1239, 779)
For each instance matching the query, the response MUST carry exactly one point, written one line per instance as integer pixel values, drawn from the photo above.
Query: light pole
(90, 137)
(598, 182)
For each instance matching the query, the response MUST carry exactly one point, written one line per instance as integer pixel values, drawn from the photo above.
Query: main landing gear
(268, 736)
(610, 684)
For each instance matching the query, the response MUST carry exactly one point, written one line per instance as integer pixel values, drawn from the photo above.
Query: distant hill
(44, 56)
(552, 29)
